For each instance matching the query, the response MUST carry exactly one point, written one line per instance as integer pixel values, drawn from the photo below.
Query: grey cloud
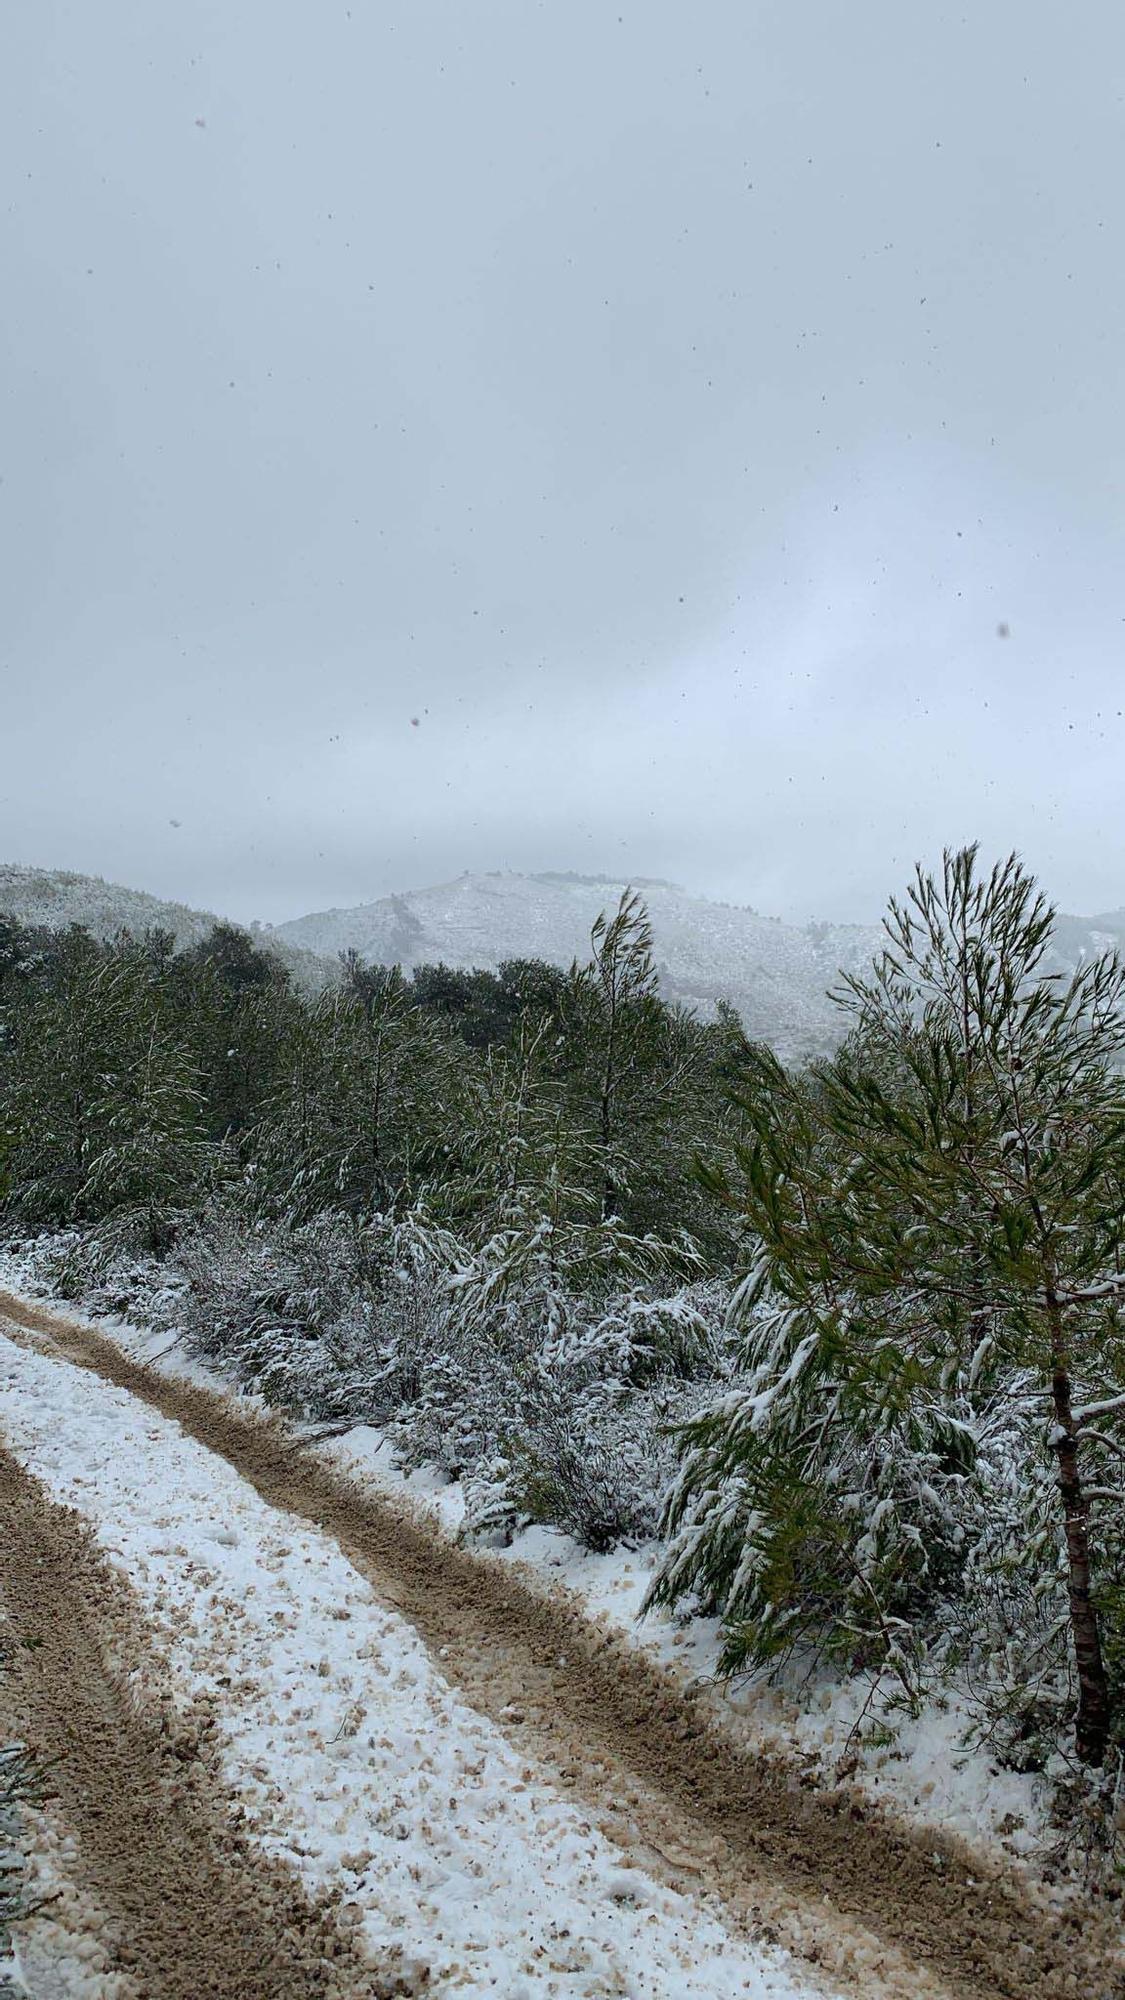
(666, 407)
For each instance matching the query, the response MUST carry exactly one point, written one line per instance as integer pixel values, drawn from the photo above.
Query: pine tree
(530, 1197)
(235, 1006)
(637, 1071)
(367, 1104)
(150, 1153)
(102, 1101)
(56, 1034)
(939, 1212)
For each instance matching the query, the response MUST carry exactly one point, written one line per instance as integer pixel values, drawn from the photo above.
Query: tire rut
(193, 1911)
(830, 1876)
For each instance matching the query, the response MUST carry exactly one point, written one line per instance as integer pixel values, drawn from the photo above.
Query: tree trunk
(606, 1111)
(1093, 1691)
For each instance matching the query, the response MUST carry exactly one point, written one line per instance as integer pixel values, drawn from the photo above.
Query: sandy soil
(919, 1913)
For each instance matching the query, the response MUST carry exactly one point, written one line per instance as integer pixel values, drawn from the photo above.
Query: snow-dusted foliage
(915, 1541)
(922, 1469)
(549, 1405)
(811, 1511)
(109, 1270)
(286, 1306)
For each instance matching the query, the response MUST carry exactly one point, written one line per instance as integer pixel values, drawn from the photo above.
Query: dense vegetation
(459, 1203)
(851, 1336)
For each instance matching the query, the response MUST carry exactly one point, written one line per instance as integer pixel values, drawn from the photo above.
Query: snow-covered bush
(548, 1403)
(550, 1398)
(593, 1386)
(110, 1269)
(283, 1306)
(812, 1513)
(594, 1463)
(414, 1341)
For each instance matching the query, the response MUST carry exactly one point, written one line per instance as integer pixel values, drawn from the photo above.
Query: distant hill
(56, 899)
(777, 975)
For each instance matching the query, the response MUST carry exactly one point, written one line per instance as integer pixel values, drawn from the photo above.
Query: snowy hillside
(56, 899)
(776, 974)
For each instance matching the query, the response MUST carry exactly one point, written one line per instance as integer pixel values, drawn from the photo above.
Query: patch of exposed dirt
(188, 1908)
(888, 1906)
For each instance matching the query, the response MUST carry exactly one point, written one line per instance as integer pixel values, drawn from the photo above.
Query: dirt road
(193, 1908)
(620, 1734)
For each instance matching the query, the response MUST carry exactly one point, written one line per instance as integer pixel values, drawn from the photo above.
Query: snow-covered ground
(63, 1955)
(927, 1772)
(355, 1759)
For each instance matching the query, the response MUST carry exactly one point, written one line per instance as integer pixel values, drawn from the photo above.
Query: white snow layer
(355, 1759)
(931, 1773)
(926, 1772)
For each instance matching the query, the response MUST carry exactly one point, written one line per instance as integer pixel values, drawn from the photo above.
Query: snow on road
(356, 1761)
(927, 1774)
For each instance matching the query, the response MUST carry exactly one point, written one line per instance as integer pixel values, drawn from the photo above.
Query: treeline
(850, 1338)
(133, 1076)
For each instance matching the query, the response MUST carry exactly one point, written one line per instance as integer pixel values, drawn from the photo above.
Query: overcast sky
(479, 434)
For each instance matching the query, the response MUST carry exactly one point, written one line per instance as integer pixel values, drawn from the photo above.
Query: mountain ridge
(58, 897)
(777, 975)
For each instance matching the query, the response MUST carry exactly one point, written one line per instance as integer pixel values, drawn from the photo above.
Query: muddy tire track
(917, 1911)
(193, 1910)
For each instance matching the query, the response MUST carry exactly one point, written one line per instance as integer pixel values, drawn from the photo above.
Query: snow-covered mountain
(777, 975)
(56, 899)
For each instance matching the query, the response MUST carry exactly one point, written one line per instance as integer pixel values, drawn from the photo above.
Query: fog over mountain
(777, 975)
